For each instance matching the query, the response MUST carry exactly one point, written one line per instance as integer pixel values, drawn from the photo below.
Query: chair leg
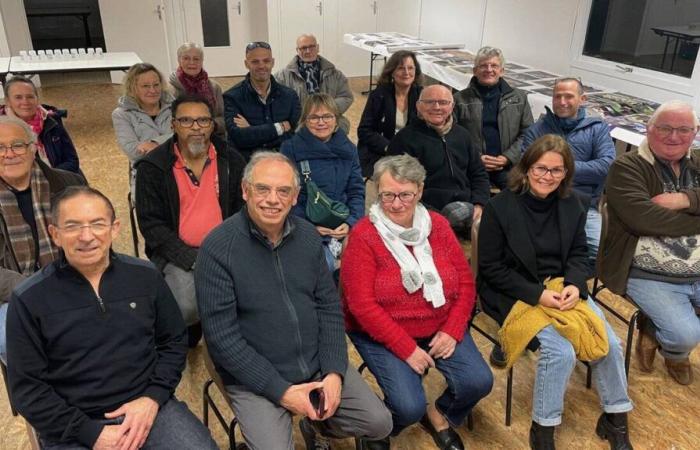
(589, 376)
(470, 422)
(132, 220)
(232, 434)
(630, 338)
(205, 403)
(509, 396)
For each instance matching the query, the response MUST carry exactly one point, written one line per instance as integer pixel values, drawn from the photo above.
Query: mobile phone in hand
(318, 401)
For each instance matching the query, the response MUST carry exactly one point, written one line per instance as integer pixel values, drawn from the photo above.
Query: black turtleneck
(543, 228)
(490, 97)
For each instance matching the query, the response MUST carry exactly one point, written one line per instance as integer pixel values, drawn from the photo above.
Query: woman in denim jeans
(533, 230)
(408, 296)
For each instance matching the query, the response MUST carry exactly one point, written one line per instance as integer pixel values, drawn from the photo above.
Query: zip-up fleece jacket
(454, 168)
(74, 355)
(271, 314)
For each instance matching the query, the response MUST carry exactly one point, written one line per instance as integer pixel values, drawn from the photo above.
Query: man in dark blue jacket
(259, 112)
(96, 343)
(590, 143)
(273, 322)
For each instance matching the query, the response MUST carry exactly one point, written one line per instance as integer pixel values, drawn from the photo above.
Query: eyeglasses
(307, 48)
(488, 66)
(149, 87)
(665, 130)
(431, 102)
(316, 119)
(187, 122)
(75, 229)
(263, 190)
(540, 171)
(18, 148)
(404, 197)
(257, 44)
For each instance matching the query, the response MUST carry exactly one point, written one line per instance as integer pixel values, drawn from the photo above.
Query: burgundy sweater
(375, 302)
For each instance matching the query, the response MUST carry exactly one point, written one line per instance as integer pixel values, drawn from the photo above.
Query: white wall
(454, 21)
(16, 30)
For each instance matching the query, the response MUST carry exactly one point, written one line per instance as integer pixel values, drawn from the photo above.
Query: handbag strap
(305, 169)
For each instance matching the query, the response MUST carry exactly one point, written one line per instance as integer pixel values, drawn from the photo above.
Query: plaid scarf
(19, 233)
(311, 73)
(198, 84)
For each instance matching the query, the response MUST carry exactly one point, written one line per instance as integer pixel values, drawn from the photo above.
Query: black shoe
(497, 357)
(613, 427)
(541, 438)
(194, 334)
(313, 439)
(447, 439)
(381, 444)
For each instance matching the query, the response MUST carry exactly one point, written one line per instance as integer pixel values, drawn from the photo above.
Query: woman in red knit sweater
(408, 296)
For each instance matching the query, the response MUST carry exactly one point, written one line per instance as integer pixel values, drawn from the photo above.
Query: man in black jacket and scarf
(456, 184)
(184, 188)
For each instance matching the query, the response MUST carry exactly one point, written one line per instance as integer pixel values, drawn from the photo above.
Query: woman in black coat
(529, 232)
(397, 90)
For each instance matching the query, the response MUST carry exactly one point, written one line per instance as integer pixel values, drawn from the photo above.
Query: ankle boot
(613, 427)
(541, 437)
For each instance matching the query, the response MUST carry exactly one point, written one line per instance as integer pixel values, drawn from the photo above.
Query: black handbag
(320, 209)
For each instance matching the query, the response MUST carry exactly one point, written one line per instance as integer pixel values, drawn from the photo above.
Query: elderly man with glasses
(495, 114)
(652, 250)
(184, 188)
(259, 112)
(456, 184)
(26, 187)
(310, 73)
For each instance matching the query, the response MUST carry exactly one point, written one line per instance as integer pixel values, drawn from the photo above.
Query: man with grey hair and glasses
(310, 73)
(26, 187)
(273, 323)
(651, 250)
(495, 114)
(259, 112)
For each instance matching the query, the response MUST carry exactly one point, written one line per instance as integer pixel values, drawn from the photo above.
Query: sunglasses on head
(257, 44)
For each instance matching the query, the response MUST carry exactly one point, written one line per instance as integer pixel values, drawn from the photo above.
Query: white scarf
(417, 268)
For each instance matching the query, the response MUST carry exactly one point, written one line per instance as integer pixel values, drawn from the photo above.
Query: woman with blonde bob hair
(533, 257)
(333, 165)
(142, 119)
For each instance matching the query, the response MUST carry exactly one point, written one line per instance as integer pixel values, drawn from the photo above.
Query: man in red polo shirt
(185, 188)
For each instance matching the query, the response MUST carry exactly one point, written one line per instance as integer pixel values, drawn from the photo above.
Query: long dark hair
(517, 178)
(395, 61)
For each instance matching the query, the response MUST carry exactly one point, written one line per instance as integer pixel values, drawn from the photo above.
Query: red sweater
(375, 301)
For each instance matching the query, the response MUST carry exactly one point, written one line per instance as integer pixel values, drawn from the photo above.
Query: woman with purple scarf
(191, 78)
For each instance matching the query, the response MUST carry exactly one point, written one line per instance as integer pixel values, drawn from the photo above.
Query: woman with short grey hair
(191, 78)
(408, 294)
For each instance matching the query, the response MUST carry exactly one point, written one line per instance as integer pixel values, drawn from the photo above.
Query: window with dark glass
(660, 35)
(215, 23)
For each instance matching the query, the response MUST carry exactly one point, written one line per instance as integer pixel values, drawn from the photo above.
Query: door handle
(374, 7)
(238, 6)
(320, 8)
(159, 10)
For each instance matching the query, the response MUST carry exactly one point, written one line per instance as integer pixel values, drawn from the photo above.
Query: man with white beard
(184, 188)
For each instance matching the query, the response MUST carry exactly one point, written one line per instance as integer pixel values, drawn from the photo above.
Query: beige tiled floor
(666, 414)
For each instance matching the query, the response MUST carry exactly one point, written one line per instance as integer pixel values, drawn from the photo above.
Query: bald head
(435, 104)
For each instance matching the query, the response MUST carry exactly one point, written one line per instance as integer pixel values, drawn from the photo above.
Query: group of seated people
(227, 187)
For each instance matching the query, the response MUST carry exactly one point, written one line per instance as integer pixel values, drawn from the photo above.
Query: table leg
(371, 73)
(663, 59)
(86, 27)
(675, 52)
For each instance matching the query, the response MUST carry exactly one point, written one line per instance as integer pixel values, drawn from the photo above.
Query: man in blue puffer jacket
(590, 143)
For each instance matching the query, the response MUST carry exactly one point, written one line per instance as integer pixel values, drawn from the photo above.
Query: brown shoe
(680, 370)
(646, 345)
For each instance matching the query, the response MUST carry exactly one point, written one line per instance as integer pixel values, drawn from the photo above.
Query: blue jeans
(594, 226)
(555, 364)
(175, 427)
(670, 308)
(468, 378)
(3, 332)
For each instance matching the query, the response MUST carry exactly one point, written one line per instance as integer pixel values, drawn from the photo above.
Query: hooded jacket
(335, 168)
(591, 145)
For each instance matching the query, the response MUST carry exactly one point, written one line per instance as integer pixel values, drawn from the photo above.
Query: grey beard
(197, 148)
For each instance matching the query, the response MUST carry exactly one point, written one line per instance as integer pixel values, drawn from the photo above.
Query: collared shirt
(200, 211)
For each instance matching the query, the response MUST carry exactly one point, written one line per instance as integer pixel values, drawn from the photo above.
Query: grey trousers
(267, 426)
(181, 283)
